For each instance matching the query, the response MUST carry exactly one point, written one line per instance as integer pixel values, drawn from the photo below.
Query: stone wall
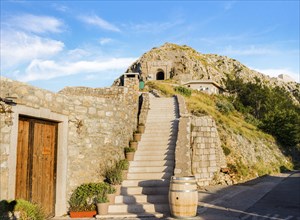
(144, 107)
(198, 147)
(183, 152)
(99, 124)
(208, 157)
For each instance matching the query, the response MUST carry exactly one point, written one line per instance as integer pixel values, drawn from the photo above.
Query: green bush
(129, 149)
(29, 210)
(122, 164)
(183, 91)
(83, 197)
(224, 106)
(113, 175)
(226, 150)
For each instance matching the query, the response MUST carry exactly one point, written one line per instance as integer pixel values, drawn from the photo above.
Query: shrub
(29, 210)
(129, 149)
(183, 91)
(122, 164)
(83, 197)
(226, 150)
(224, 106)
(113, 175)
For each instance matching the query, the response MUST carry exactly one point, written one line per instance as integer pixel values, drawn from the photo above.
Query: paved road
(283, 202)
(270, 197)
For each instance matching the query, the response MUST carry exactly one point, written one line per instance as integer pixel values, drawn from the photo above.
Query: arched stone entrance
(160, 75)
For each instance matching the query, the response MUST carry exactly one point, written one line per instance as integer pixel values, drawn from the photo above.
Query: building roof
(203, 82)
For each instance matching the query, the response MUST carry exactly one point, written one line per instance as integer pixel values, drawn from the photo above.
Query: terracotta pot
(129, 156)
(118, 189)
(102, 208)
(82, 214)
(111, 198)
(141, 128)
(137, 136)
(133, 144)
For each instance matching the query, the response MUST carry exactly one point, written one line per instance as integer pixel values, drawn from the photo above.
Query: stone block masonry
(94, 125)
(198, 147)
(207, 156)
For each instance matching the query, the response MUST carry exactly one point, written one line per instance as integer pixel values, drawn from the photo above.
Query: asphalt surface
(269, 197)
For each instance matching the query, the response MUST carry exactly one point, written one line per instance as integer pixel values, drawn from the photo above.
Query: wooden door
(36, 162)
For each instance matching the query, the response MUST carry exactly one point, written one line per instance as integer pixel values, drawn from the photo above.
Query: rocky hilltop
(183, 63)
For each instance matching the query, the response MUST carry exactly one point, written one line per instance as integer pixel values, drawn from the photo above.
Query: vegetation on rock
(250, 152)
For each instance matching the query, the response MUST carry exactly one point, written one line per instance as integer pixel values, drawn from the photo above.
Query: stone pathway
(145, 192)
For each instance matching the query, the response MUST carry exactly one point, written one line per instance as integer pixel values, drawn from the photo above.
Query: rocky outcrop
(183, 63)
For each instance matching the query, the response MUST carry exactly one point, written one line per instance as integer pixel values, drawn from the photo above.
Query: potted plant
(141, 128)
(133, 144)
(81, 203)
(113, 176)
(110, 193)
(123, 165)
(137, 136)
(129, 153)
(102, 203)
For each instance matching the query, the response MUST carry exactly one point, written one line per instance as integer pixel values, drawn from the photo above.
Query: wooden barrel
(183, 197)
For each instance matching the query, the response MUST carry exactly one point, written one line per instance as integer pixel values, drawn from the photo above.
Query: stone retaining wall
(198, 147)
(208, 156)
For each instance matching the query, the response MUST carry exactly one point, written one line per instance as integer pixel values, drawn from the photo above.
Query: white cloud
(104, 41)
(99, 22)
(276, 72)
(49, 69)
(19, 47)
(35, 24)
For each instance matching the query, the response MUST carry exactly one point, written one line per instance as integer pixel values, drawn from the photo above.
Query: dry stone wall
(100, 124)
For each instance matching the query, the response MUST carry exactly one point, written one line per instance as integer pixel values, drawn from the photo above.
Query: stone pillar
(131, 80)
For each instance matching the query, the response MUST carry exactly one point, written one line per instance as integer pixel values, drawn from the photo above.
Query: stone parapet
(144, 107)
(183, 165)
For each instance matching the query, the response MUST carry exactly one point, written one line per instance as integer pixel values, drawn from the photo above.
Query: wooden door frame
(62, 153)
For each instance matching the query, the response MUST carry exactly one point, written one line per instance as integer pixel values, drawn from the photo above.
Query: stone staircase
(145, 191)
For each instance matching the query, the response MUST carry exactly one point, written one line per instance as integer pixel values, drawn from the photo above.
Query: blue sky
(53, 44)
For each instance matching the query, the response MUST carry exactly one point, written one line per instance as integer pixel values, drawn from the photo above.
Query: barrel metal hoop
(183, 178)
(173, 190)
(184, 217)
(184, 183)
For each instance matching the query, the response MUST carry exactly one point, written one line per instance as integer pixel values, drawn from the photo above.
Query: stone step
(126, 215)
(150, 169)
(138, 208)
(154, 147)
(146, 190)
(156, 157)
(147, 183)
(143, 152)
(159, 140)
(157, 199)
(149, 175)
(144, 163)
